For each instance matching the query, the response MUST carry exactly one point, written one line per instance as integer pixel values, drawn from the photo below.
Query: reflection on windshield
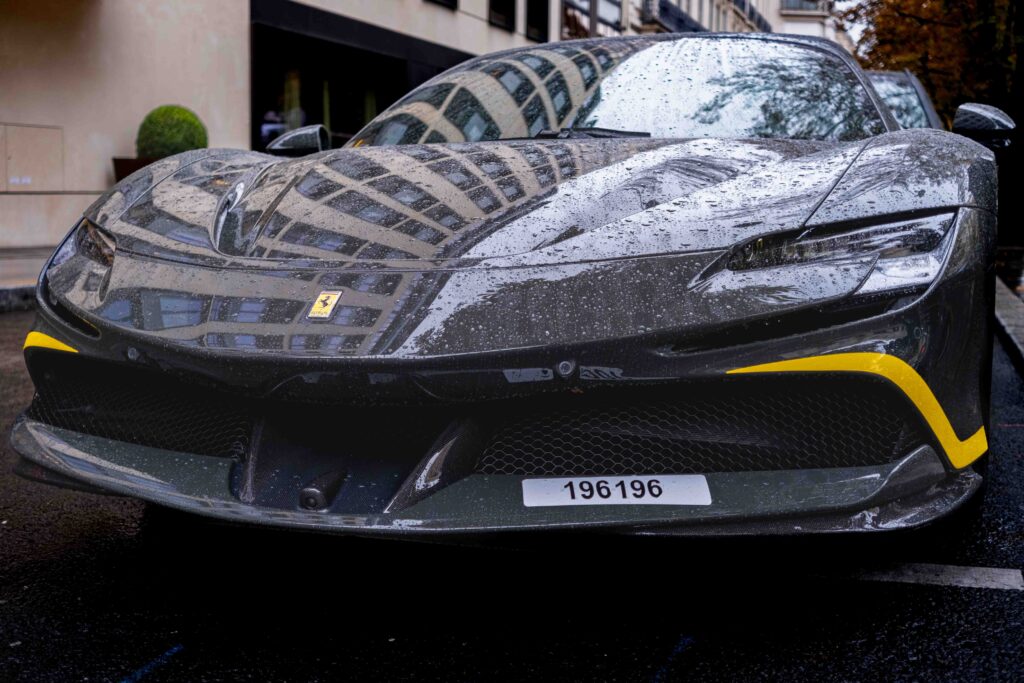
(685, 87)
(901, 97)
(734, 88)
(517, 94)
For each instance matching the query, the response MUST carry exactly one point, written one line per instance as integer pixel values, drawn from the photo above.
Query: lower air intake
(138, 407)
(734, 424)
(737, 425)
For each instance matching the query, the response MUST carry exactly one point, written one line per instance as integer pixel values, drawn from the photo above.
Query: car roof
(814, 42)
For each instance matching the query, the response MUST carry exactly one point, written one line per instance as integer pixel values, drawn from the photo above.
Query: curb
(17, 298)
(1010, 321)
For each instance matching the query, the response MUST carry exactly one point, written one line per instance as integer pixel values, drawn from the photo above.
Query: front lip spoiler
(908, 493)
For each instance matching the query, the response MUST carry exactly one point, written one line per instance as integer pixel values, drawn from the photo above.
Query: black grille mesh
(731, 425)
(737, 426)
(139, 407)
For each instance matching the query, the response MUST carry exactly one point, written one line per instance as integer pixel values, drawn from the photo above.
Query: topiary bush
(168, 130)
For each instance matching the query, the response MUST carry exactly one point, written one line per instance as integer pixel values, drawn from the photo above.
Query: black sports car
(676, 284)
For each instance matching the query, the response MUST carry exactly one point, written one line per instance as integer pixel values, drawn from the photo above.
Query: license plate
(669, 489)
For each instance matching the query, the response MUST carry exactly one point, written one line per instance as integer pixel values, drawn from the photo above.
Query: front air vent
(733, 425)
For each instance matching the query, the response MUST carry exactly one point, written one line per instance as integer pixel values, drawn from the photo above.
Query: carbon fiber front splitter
(911, 492)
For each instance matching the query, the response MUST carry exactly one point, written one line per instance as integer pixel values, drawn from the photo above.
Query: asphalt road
(108, 589)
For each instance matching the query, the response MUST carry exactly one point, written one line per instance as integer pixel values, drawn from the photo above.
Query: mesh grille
(139, 407)
(733, 427)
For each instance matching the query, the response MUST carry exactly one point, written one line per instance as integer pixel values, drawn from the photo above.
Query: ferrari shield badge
(324, 305)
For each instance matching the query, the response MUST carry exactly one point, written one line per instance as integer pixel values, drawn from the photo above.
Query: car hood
(470, 205)
(594, 242)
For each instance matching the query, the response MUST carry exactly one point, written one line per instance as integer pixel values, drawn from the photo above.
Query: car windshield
(900, 95)
(681, 88)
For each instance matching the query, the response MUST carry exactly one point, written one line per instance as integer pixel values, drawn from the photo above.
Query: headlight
(95, 244)
(89, 240)
(909, 253)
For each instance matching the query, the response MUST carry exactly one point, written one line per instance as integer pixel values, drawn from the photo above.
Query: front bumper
(940, 337)
(905, 494)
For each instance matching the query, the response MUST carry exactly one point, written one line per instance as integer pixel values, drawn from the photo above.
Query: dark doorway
(311, 66)
(298, 80)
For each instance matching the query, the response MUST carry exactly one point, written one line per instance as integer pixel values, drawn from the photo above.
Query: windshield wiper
(574, 132)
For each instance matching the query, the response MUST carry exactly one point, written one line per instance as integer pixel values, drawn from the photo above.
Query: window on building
(503, 14)
(806, 5)
(610, 12)
(537, 16)
(450, 4)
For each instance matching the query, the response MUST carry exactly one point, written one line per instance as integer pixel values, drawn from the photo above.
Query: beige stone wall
(77, 77)
(819, 24)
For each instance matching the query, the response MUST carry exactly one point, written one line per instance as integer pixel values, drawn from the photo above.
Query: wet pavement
(97, 588)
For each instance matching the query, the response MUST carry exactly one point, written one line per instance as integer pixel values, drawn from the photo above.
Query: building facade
(809, 18)
(79, 77)
(623, 17)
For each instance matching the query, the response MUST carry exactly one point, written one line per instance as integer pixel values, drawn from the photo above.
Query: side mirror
(301, 141)
(987, 125)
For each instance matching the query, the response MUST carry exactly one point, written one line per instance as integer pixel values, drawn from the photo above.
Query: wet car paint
(697, 227)
(614, 264)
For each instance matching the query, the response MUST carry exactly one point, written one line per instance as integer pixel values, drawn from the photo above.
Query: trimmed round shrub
(168, 130)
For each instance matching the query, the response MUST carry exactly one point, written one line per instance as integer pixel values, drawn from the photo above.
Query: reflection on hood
(515, 244)
(459, 203)
(486, 234)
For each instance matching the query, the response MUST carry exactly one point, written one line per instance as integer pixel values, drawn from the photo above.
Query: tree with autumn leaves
(962, 50)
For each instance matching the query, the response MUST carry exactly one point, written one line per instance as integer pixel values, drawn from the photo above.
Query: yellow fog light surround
(40, 340)
(960, 453)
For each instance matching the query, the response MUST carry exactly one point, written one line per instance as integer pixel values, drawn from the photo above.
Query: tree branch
(923, 21)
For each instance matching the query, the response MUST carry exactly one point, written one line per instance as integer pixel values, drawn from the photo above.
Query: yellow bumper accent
(960, 453)
(45, 341)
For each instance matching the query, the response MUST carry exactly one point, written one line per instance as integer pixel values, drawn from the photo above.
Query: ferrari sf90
(674, 284)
